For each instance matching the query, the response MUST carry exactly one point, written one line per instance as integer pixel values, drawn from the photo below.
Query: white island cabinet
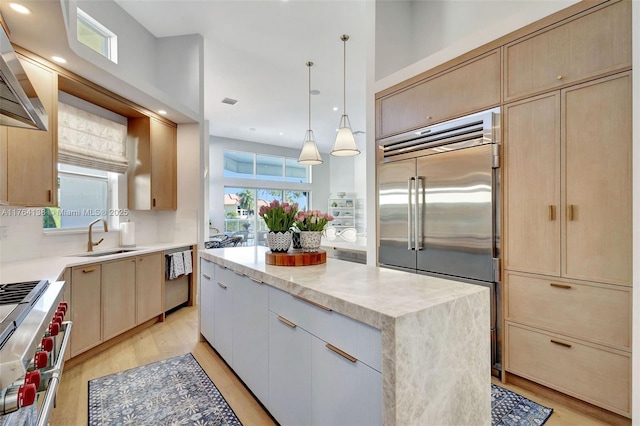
(347, 344)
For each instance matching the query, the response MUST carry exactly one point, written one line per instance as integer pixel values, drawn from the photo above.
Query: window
(83, 196)
(96, 36)
(246, 165)
(241, 206)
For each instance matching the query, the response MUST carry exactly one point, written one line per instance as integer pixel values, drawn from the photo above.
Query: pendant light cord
(309, 64)
(344, 75)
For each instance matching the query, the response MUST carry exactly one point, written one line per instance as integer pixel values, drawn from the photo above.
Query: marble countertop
(368, 294)
(50, 268)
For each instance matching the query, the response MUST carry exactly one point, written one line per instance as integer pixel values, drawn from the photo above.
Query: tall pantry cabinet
(567, 195)
(567, 256)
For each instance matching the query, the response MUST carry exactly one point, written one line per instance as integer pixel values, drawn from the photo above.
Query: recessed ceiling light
(335, 108)
(20, 8)
(162, 112)
(281, 133)
(314, 92)
(59, 60)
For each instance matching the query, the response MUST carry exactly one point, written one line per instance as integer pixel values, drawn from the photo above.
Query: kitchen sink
(104, 253)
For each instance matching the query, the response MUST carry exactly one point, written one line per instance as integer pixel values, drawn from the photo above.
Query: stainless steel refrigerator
(438, 200)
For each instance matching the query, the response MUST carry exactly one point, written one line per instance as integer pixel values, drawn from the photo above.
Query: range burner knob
(58, 317)
(40, 360)
(54, 329)
(26, 395)
(47, 344)
(63, 307)
(32, 377)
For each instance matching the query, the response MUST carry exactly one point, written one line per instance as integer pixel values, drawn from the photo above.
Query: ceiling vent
(229, 101)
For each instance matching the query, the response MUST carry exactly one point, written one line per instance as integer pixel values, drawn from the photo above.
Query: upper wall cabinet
(592, 45)
(28, 173)
(152, 152)
(469, 87)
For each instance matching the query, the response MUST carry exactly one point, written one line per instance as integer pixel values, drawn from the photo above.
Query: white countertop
(50, 268)
(366, 293)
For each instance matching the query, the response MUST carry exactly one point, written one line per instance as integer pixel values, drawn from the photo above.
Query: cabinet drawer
(589, 373)
(591, 45)
(470, 87)
(598, 313)
(357, 339)
(207, 270)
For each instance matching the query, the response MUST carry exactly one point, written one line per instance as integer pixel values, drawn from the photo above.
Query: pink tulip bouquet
(279, 217)
(312, 220)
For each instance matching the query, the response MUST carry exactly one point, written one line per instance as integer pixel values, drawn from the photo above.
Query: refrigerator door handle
(418, 207)
(410, 186)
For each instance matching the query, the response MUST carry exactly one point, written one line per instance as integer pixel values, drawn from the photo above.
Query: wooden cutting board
(295, 258)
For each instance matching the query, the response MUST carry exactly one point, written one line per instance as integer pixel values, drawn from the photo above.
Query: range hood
(19, 103)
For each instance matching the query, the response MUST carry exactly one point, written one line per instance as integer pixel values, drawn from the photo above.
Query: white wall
(217, 145)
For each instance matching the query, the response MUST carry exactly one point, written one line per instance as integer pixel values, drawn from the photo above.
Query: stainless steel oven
(33, 341)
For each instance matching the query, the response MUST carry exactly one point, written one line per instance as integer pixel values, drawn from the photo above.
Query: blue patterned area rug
(175, 391)
(510, 409)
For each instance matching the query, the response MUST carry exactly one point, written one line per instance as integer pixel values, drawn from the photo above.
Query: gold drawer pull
(286, 321)
(86, 271)
(560, 77)
(312, 303)
(552, 215)
(256, 280)
(222, 285)
(206, 276)
(560, 285)
(570, 212)
(557, 342)
(341, 352)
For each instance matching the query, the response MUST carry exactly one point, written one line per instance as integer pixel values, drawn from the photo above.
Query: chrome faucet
(90, 243)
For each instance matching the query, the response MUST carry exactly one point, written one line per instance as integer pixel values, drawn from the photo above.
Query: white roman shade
(88, 140)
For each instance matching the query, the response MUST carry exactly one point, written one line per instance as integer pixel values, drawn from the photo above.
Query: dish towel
(188, 267)
(177, 265)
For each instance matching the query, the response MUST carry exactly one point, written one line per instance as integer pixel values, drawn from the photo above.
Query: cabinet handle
(206, 276)
(560, 285)
(256, 280)
(312, 303)
(429, 117)
(222, 285)
(154, 202)
(570, 212)
(87, 270)
(49, 195)
(557, 342)
(552, 215)
(286, 321)
(560, 77)
(341, 352)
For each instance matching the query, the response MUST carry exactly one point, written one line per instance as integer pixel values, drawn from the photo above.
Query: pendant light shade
(309, 154)
(345, 144)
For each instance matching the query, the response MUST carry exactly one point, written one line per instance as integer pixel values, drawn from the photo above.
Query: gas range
(33, 340)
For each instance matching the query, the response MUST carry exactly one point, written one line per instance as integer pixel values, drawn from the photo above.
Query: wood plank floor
(179, 335)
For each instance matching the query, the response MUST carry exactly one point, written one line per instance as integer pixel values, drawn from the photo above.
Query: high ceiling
(255, 52)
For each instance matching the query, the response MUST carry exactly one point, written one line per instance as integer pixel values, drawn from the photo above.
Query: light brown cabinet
(469, 87)
(576, 368)
(109, 298)
(567, 210)
(567, 182)
(28, 158)
(86, 311)
(152, 151)
(592, 45)
(118, 297)
(149, 293)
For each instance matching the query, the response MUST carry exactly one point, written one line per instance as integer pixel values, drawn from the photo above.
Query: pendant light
(345, 144)
(309, 154)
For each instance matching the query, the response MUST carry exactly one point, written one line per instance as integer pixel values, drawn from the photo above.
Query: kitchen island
(433, 334)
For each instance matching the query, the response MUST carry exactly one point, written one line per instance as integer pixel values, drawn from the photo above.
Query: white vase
(310, 240)
(279, 242)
